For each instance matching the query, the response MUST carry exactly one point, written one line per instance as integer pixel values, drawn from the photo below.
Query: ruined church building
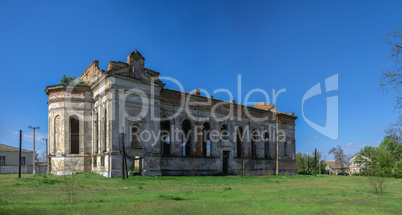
(87, 121)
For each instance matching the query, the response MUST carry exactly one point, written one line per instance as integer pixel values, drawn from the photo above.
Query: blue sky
(206, 44)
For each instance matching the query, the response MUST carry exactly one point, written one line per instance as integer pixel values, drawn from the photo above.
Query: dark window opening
(225, 133)
(266, 142)
(225, 162)
(165, 137)
(206, 140)
(135, 137)
(254, 138)
(284, 149)
(74, 135)
(2, 160)
(186, 127)
(239, 141)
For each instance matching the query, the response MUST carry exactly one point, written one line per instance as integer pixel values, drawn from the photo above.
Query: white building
(9, 157)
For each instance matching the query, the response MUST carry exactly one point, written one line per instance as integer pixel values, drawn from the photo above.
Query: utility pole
(19, 166)
(34, 154)
(277, 146)
(47, 158)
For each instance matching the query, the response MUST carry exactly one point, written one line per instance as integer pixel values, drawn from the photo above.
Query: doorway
(225, 162)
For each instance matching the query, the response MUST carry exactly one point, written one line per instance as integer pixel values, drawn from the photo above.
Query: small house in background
(354, 167)
(334, 167)
(9, 157)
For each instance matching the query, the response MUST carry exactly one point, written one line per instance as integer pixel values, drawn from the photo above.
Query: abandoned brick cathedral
(164, 131)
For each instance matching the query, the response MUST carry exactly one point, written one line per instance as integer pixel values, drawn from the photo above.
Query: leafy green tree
(377, 163)
(323, 166)
(394, 148)
(301, 159)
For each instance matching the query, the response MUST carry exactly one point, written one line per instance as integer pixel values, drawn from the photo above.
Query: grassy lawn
(44, 194)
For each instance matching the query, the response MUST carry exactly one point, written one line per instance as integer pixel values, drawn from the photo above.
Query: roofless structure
(164, 131)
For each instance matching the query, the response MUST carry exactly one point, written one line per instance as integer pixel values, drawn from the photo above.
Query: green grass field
(44, 194)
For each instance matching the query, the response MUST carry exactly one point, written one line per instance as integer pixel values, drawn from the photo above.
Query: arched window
(186, 128)
(239, 141)
(135, 136)
(266, 144)
(74, 135)
(165, 137)
(254, 138)
(206, 140)
(224, 133)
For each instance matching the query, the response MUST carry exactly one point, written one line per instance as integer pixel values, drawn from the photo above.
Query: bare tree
(69, 179)
(392, 78)
(42, 156)
(394, 131)
(340, 157)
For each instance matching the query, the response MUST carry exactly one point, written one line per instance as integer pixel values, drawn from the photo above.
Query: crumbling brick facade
(165, 132)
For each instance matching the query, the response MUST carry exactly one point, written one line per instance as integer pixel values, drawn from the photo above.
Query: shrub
(81, 82)
(66, 80)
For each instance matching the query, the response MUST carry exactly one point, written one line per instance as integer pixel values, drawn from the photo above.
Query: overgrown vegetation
(381, 162)
(68, 80)
(41, 194)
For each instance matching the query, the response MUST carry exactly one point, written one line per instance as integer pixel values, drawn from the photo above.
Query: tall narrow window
(206, 140)
(135, 136)
(74, 135)
(254, 138)
(266, 144)
(165, 137)
(239, 141)
(23, 160)
(2, 160)
(285, 149)
(224, 133)
(186, 127)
